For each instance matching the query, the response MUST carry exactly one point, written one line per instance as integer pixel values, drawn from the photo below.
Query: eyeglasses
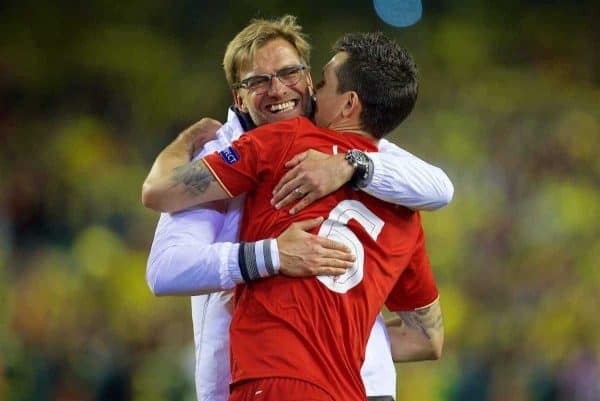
(259, 84)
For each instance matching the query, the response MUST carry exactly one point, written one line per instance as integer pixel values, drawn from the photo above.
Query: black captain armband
(363, 168)
(258, 259)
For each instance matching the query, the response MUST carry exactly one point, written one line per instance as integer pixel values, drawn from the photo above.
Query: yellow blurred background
(509, 107)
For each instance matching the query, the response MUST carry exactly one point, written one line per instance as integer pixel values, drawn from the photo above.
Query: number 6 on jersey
(335, 228)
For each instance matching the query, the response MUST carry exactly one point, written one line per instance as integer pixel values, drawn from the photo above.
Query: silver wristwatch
(363, 168)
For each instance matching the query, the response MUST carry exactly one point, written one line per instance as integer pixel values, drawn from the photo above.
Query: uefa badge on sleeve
(230, 155)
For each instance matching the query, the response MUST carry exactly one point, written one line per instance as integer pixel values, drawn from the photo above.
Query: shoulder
(232, 128)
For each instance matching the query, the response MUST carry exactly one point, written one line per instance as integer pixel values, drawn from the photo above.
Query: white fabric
(194, 252)
(402, 178)
(211, 315)
(378, 371)
(180, 260)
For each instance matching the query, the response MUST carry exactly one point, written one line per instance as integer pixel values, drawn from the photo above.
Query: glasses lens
(290, 75)
(260, 83)
(257, 83)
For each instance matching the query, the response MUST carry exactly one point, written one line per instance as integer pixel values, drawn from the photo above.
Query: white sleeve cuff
(377, 177)
(230, 270)
(260, 260)
(403, 179)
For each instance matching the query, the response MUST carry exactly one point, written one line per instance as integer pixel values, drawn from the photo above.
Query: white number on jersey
(335, 228)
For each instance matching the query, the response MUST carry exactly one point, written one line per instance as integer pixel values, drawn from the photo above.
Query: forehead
(334, 63)
(270, 57)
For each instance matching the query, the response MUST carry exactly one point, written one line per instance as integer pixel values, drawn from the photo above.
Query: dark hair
(383, 75)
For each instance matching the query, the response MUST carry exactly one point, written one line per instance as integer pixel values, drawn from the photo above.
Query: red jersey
(316, 329)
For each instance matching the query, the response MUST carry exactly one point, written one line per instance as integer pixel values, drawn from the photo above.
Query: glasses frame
(244, 83)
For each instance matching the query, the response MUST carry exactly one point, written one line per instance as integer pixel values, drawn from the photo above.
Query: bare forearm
(409, 344)
(176, 154)
(173, 181)
(417, 335)
(177, 188)
(393, 175)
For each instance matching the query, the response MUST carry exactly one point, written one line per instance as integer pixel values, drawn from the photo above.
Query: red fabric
(299, 328)
(410, 291)
(277, 389)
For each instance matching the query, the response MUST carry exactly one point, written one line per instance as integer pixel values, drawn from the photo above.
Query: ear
(239, 101)
(352, 107)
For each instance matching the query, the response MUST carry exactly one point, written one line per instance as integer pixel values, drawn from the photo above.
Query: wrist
(346, 170)
(258, 259)
(362, 166)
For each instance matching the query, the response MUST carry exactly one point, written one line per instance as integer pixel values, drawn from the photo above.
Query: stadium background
(509, 107)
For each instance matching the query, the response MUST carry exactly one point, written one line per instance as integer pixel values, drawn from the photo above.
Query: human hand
(302, 254)
(199, 133)
(313, 175)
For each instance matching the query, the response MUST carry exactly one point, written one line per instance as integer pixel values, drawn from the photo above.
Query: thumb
(294, 161)
(307, 225)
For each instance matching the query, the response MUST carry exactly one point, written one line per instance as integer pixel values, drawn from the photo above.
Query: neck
(353, 127)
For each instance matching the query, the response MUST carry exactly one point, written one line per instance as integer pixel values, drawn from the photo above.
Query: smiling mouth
(282, 107)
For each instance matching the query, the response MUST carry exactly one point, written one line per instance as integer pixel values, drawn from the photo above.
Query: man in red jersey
(304, 339)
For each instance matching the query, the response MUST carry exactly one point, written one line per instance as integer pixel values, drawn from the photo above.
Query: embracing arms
(182, 252)
(175, 182)
(399, 177)
(197, 251)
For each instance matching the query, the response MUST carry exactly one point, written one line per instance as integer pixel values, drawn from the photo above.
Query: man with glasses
(259, 84)
(194, 251)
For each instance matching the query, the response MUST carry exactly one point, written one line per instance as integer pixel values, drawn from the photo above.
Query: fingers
(338, 259)
(291, 192)
(201, 132)
(299, 158)
(330, 266)
(208, 124)
(286, 184)
(304, 202)
(317, 267)
(333, 255)
(303, 254)
(329, 271)
(295, 177)
(334, 246)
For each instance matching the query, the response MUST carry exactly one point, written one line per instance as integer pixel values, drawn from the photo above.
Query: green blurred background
(509, 107)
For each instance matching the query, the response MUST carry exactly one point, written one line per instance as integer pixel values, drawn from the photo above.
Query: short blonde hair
(259, 32)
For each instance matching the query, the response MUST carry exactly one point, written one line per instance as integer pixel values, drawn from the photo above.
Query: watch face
(356, 157)
(360, 156)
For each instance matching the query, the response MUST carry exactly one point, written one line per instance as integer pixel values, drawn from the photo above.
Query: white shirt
(195, 252)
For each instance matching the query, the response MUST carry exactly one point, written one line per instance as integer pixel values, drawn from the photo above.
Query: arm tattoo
(195, 176)
(428, 319)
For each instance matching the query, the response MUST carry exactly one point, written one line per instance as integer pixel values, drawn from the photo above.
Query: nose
(276, 87)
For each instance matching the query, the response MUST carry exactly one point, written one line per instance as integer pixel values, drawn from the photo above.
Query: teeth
(285, 106)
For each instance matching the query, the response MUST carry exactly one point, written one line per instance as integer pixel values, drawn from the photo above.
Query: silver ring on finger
(299, 193)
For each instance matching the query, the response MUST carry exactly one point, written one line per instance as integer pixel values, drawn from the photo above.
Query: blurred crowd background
(509, 107)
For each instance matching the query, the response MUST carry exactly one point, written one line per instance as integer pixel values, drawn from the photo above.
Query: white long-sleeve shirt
(196, 252)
